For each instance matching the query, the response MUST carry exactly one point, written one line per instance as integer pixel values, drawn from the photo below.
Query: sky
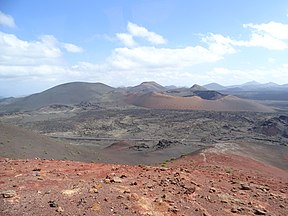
(125, 42)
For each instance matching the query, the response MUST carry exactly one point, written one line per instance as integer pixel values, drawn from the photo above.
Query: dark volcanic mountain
(197, 87)
(254, 90)
(147, 94)
(146, 87)
(214, 86)
(196, 90)
(209, 95)
(65, 94)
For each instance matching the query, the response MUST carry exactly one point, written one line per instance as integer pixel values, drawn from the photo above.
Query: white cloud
(271, 36)
(135, 55)
(152, 57)
(15, 51)
(45, 50)
(219, 44)
(136, 31)
(126, 39)
(29, 61)
(72, 48)
(7, 20)
(275, 29)
(265, 41)
(139, 31)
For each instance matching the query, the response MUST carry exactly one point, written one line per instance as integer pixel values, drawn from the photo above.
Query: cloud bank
(143, 55)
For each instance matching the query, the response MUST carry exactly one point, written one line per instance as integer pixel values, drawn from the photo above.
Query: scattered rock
(165, 143)
(236, 210)
(53, 204)
(190, 190)
(107, 181)
(173, 209)
(120, 197)
(244, 187)
(116, 179)
(133, 197)
(259, 212)
(126, 191)
(93, 190)
(8, 194)
(212, 190)
(60, 209)
(163, 168)
(263, 188)
(96, 207)
(81, 201)
(150, 186)
(70, 192)
(133, 183)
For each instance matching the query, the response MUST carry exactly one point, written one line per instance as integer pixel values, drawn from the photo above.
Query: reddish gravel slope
(208, 183)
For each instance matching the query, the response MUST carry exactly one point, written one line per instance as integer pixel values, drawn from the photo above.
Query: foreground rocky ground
(212, 182)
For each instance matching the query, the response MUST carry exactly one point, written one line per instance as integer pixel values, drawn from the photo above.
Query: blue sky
(123, 43)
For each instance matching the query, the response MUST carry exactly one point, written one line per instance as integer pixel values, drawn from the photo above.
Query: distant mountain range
(254, 90)
(152, 95)
(253, 85)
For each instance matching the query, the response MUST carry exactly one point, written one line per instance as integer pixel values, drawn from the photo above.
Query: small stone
(259, 212)
(133, 197)
(53, 204)
(96, 207)
(117, 180)
(190, 190)
(212, 190)
(93, 190)
(120, 197)
(150, 186)
(173, 209)
(127, 191)
(107, 181)
(8, 193)
(133, 183)
(245, 187)
(60, 209)
(114, 168)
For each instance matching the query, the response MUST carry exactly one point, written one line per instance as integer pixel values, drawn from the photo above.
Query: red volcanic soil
(209, 183)
(164, 101)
